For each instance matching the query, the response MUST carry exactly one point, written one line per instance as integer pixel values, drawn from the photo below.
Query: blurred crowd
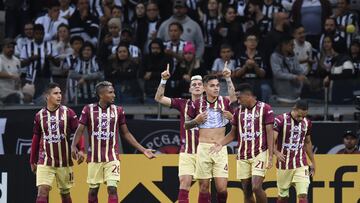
(286, 49)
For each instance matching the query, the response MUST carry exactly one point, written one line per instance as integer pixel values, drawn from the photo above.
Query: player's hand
(215, 148)
(74, 152)
(201, 118)
(228, 115)
(33, 168)
(149, 153)
(226, 73)
(269, 162)
(81, 157)
(280, 156)
(165, 75)
(312, 170)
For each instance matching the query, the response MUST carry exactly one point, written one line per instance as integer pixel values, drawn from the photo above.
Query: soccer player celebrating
(210, 114)
(253, 126)
(292, 143)
(104, 120)
(50, 156)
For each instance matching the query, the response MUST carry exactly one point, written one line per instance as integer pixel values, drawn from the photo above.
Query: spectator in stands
(36, 57)
(344, 18)
(139, 17)
(280, 30)
(330, 29)
(188, 67)
(16, 14)
(312, 15)
(127, 37)
(66, 10)
(269, 8)
(355, 56)
(110, 41)
(123, 73)
(106, 6)
(24, 38)
(154, 63)
(256, 19)
(229, 30)
(117, 12)
(10, 85)
(191, 65)
(251, 68)
(209, 21)
(302, 49)
(192, 29)
(147, 31)
(327, 53)
(63, 48)
(51, 21)
(83, 23)
(85, 75)
(175, 46)
(351, 142)
(288, 75)
(69, 64)
(226, 55)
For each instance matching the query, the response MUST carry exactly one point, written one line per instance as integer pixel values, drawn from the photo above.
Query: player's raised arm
(125, 133)
(159, 96)
(308, 150)
(231, 89)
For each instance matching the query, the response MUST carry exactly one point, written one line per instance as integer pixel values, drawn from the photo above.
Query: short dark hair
(178, 25)
(51, 86)
(101, 85)
(207, 78)
(54, 3)
(87, 44)
(333, 19)
(302, 105)
(39, 27)
(256, 3)
(76, 38)
(245, 87)
(225, 46)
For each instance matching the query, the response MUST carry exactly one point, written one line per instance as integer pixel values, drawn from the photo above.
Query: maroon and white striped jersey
(54, 129)
(251, 129)
(291, 140)
(103, 131)
(189, 139)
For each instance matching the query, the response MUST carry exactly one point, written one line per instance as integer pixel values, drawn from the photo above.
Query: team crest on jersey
(163, 141)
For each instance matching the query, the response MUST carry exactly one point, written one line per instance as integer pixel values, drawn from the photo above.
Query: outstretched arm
(125, 133)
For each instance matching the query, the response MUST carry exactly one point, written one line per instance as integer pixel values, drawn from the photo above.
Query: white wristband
(163, 82)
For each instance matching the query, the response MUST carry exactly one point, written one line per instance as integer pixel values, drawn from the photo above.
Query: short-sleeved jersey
(214, 109)
(291, 140)
(189, 139)
(103, 131)
(54, 129)
(251, 129)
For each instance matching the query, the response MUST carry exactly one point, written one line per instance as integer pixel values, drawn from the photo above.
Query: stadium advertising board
(337, 180)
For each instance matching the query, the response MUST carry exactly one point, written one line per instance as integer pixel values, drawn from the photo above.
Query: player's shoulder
(308, 121)
(40, 111)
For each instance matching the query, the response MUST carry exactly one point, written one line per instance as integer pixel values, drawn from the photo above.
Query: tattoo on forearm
(190, 124)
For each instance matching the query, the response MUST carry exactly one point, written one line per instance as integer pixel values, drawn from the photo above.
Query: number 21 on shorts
(260, 165)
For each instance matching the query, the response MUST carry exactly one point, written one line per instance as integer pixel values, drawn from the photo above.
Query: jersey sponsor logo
(100, 135)
(53, 138)
(163, 141)
(249, 136)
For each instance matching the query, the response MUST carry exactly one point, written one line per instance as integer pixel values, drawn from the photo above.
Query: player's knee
(43, 191)
(257, 188)
(302, 196)
(185, 183)
(204, 186)
(65, 195)
(112, 190)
